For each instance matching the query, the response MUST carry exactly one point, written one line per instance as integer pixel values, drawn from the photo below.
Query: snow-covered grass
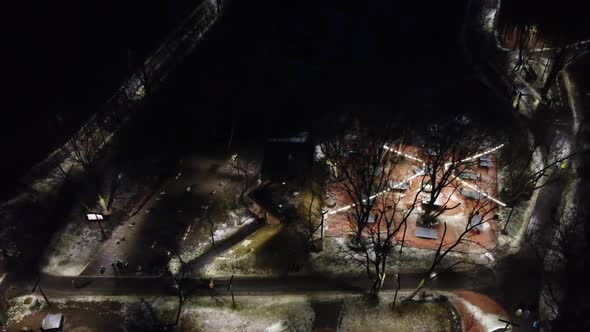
(192, 250)
(335, 259)
(268, 314)
(476, 316)
(241, 258)
(252, 313)
(519, 221)
(72, 247)
(70, 251)
(429, 316)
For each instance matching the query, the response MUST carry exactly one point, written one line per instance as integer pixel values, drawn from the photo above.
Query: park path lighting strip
(446, 165)
(476, 156)
(481, 192)
(402, 154)
(472, 187)
(483, 153)
(348, 207)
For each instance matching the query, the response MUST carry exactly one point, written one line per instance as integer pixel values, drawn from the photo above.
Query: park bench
(476, 223)
(469, 175)
(427, 233)
(470, 193)
(485, 161)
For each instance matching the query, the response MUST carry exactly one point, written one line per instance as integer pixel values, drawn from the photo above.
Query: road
(56, 286)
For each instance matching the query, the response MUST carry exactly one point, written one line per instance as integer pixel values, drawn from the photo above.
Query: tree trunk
(415, 292)
(179, 311)
(211, 229)
(44, 296)
(507, 221)
(403, 237)
(377, 285)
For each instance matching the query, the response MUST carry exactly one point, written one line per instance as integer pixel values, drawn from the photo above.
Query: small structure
(53, 323)
(269, 202)
(469, 175)
(476, 222)
(427, 233)
(473, 194)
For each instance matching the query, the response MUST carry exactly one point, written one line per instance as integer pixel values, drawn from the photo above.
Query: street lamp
(92, 216)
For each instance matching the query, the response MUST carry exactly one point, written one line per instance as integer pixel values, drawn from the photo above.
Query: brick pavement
(339, 225)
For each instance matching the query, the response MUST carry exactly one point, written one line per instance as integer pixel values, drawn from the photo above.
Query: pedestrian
(526, 314)
(211, 286)
(74, 283)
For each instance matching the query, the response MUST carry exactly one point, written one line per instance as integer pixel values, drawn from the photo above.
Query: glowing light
(94, 216)
(348, 207)
(483, 153)
(402, 154)
(446, 165)
(481, 192)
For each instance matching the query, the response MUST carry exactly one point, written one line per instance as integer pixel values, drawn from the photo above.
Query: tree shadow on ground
(284, 253)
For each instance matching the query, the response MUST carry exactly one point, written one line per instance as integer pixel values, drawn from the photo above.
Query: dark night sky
(280, 61)
(67, 57)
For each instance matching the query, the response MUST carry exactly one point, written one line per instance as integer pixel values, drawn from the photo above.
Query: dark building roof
(288, 158)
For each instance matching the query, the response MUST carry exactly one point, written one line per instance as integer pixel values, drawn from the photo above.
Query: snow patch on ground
(222, 231)
(356, 315)
(272, 314)
(488, 321)
(18, 309)
(70, 250)
(335, 259)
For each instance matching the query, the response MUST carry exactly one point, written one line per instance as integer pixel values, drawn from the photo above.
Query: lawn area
(270, 250)
(414, 316)
(252, 313)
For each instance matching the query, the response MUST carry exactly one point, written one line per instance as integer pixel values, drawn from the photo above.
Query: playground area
(468, 201)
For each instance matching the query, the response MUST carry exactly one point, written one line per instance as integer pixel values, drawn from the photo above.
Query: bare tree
(360, 169)
(527, 169)
(448, 156)
(83, 148)
(561, 56)
(211, 231)
(558, 248)
(315, 217)
(482, 207)
(362, 166)
(249, 173)
(390, 215)
(180, 282)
